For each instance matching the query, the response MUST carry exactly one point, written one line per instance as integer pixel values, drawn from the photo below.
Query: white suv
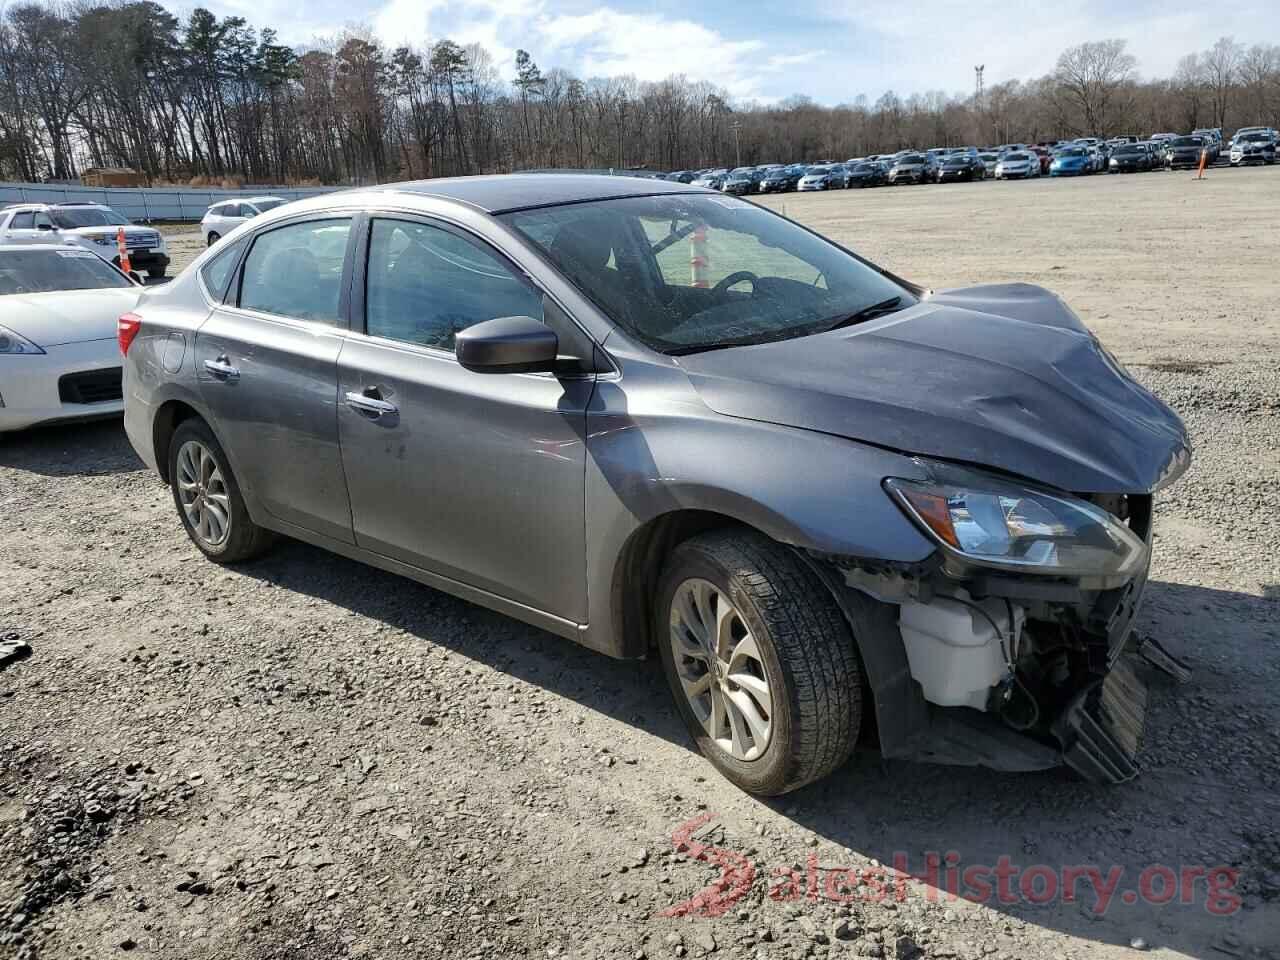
(89, 225)
(226, 215)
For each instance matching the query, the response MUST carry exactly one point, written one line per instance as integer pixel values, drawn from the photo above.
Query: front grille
(137, 240)
(92, 386)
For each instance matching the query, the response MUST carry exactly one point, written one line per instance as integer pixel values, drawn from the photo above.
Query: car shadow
(1183, 812)
(90, 448)
(623, 690)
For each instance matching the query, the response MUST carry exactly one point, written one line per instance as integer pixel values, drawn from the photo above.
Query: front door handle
(222, 369)
(372, 407)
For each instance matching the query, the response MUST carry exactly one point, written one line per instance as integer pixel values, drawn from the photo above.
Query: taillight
(127, 328)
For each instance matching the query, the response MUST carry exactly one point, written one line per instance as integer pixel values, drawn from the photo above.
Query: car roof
(31, 205)
(41, 248)
(501, 193)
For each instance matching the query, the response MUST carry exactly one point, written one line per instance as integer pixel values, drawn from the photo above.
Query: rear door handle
(222, 369)
(372, 407)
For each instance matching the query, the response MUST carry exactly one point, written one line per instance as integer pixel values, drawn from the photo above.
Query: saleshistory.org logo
(1004, 883)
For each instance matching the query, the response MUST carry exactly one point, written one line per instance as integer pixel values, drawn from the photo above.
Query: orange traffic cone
(123, 249)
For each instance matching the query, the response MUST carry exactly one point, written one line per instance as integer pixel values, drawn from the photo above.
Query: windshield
(1128, 151)
(685, 273)
(1072, 152)
(1187, 142)
(42, 271)
(818, 171)
(913, 158)
(1015, 157)
(1256, 138)
(68, 218)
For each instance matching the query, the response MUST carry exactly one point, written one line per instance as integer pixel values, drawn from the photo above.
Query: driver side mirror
(44, 226)
(507, 345)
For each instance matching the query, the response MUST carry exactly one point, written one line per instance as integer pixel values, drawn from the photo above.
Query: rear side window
(426, 283)
(23, 221)
(296, 271)
(216, 274)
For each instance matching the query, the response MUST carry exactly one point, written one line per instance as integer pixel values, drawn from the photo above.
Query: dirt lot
(307, 758)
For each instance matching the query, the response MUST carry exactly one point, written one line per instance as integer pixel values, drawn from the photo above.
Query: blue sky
(768, 51)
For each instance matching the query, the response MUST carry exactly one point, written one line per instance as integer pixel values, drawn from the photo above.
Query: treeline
(132, 85)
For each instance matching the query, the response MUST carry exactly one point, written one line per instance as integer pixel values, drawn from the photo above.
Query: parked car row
(1008, 161)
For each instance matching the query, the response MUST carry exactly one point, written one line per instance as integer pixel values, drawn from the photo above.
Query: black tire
(811, 661)
(213, 238)
(245, 540)
(156, 273)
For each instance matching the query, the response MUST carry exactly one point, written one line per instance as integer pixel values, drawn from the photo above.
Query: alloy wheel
(721, 670)
(203, 494)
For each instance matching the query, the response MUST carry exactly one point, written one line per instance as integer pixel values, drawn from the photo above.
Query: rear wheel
(156, 273)
(760, 661)
(213, 238)
(208, 498)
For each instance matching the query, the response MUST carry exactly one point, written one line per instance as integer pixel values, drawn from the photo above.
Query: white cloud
(405, 22)
(649, 46)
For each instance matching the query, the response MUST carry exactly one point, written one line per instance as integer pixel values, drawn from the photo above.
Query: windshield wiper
(866, 313)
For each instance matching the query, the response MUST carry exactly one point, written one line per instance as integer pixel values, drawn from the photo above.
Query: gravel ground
(304, 757)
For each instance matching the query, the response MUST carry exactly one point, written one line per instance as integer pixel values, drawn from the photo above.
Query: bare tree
(1221, 67)
(210, 97)
(1092, 79)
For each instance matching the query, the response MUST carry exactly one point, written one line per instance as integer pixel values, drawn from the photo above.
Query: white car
(989, 162)
(89, 225)
(225, 215)
(1018, 165)
(59, 357)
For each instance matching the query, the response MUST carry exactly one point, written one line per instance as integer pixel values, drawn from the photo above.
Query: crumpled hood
(67, 316)
(1002, 376)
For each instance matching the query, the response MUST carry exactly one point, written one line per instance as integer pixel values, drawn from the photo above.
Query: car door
(475, 477)
(266, 361)
(21, 228)
(229, 217)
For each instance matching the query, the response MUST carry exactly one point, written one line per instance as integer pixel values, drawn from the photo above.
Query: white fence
(146, 203)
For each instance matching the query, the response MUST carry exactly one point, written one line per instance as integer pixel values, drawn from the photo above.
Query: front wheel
(760, 661)
(208, 497)
(156, 273)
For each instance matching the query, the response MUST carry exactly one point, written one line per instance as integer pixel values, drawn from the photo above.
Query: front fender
(651, 454)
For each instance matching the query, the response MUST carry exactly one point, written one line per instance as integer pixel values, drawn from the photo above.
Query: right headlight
(992, 522)
(13, 344)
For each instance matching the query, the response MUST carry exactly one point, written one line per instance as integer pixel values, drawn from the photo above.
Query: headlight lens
(993, 522)
(12, 344)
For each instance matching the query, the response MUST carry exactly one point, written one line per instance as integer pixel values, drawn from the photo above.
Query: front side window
(425, 283)
(685, 273)
(296, 271)
(43, 271)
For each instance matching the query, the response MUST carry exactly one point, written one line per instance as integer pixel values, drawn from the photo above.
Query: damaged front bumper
(1012, 672)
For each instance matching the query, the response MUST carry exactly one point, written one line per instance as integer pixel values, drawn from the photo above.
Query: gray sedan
(661, 421)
